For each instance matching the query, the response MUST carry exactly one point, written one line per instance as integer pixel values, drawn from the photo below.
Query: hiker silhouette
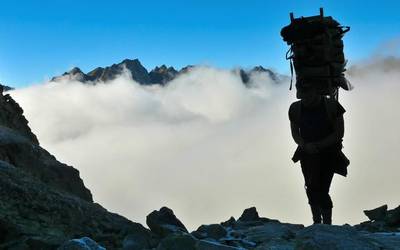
(317, 127)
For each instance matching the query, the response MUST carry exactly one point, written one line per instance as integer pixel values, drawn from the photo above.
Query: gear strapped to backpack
(316, 52)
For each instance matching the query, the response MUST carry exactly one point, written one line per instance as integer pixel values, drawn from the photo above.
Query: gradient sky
(40, 39)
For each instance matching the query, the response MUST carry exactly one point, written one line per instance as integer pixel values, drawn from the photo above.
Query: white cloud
(208, 147)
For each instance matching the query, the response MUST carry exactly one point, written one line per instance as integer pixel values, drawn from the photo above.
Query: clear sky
(40, 39)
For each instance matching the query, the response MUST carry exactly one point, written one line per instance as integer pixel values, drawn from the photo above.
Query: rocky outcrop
(159, 75)
(381, 220)
(43, 202)
(20, 148)
(164, 222)
(32, 213)
(11, 116)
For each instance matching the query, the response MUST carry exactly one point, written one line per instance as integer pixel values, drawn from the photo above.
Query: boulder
(140, 239)
(229, 223)
(249, 214)
(378, 213)
(393, 217)
(164, 222)
(178, 241)
(214, 231)
(270, 231)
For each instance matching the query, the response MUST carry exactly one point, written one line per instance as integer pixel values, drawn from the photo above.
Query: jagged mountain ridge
(159, 75)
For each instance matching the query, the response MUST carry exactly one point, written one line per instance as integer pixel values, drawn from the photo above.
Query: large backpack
(316, 52)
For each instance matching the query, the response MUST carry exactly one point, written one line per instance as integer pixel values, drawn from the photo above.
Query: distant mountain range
(159, 75)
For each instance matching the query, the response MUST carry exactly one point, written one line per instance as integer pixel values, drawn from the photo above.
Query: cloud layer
(208, 147)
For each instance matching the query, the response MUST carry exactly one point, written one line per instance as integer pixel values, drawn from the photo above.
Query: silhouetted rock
(164, 222)
(11, 116)
(249, 214)
(377, 213)
(381, 220)
(229, 223)
(214, 231)
(393, 217)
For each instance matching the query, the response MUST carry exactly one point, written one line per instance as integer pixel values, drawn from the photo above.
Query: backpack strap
(331, 109)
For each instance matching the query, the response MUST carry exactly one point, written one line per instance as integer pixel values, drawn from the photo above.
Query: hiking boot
(316, 214)
(327, 216)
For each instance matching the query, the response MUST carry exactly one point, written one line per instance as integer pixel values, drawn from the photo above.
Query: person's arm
(296, 134)
(309, 148)
(335, 137)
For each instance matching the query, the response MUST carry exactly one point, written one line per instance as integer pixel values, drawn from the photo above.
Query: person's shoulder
(295, 104)
(294, 110)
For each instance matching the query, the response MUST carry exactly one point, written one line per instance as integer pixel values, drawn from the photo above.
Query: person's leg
(310, 168)
(325, 199)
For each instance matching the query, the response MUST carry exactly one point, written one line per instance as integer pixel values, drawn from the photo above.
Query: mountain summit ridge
(159, 75)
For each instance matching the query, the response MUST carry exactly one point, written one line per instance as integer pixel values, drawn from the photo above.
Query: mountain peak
(130, 61)
(75, 70)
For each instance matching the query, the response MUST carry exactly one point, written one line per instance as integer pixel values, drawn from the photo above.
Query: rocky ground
(44, 204)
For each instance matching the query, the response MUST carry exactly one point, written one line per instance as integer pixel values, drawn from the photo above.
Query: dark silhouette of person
(317, 127)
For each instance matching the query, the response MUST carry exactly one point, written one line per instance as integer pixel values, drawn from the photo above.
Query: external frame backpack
(316, 52)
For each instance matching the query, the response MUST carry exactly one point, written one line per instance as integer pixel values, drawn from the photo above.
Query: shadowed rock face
(20, 148)
(159, 75)
(43, 202)
(11, 116)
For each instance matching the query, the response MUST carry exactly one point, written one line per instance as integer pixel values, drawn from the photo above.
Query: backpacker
(316, 52)
(339, 160)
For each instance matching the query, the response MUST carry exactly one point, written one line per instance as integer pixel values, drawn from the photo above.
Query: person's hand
(310, 148)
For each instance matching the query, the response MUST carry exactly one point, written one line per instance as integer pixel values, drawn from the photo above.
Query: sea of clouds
(207, 146)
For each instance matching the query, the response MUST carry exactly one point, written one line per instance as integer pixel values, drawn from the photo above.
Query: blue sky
(40, 39)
